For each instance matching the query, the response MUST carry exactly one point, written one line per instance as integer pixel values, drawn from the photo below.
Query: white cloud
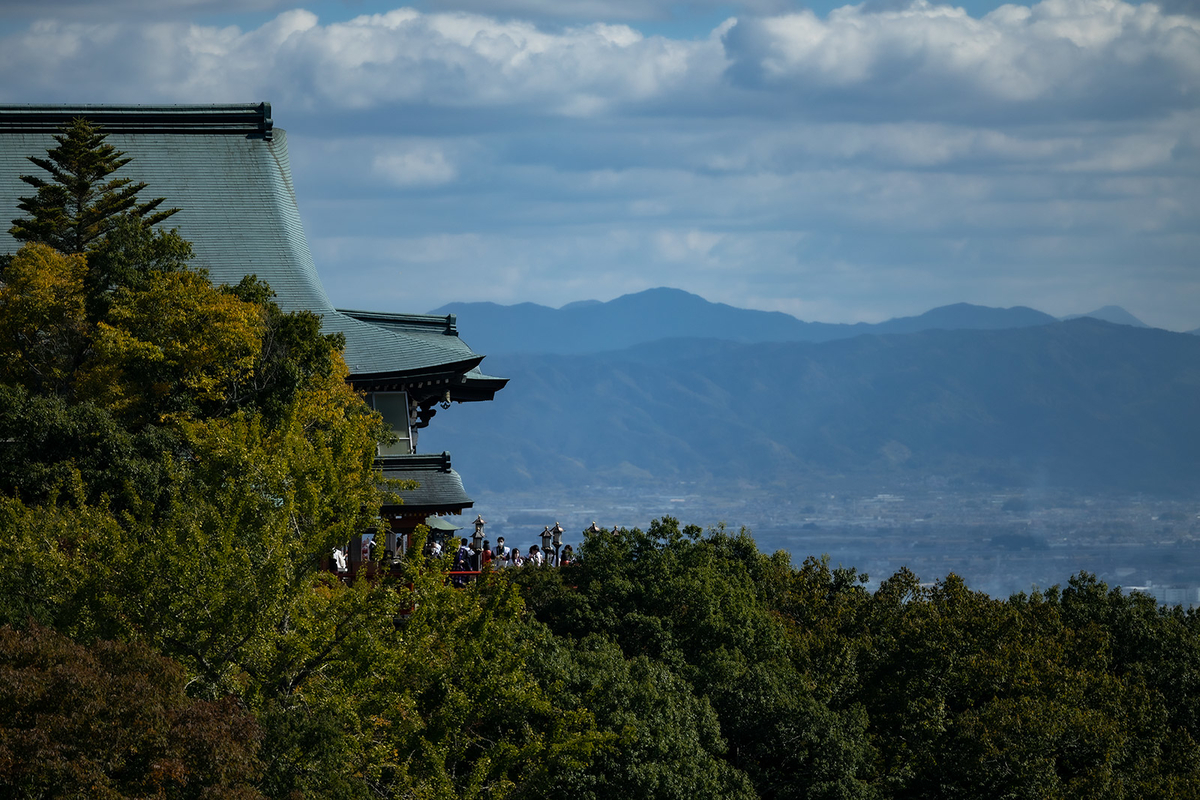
(691, 246)
(864, 164)
(920, 56)
(610, 9)
(415, 164)
(403, 56)
(928, 62)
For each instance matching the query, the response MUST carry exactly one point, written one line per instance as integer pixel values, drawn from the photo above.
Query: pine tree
(78, 206)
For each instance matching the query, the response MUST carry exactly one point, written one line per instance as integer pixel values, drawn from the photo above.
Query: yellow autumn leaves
(174, 336)
(43, 327)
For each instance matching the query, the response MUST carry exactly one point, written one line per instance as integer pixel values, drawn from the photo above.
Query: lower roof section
(439, 488)
(477, 386)
(460, 377)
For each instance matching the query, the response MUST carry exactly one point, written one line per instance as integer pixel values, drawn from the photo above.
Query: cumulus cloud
(1058, 57)
(884, 156)
(836, 221)
(415, 164)
(401, 57)
(611, 9)
(1105, 57)
(691, 246)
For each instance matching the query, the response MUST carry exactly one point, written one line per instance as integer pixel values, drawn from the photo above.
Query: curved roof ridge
(238, 208)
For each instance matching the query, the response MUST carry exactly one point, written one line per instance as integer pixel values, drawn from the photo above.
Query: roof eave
(437, 372)
(476, 390)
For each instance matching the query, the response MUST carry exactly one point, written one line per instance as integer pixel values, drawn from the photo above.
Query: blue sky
(840, 163)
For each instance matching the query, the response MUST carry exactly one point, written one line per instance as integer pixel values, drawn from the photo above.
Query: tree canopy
(78, 204)
(177, 457)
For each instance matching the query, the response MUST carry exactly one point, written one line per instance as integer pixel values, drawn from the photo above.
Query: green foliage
(77, 205)
(701, 609)
(44, 332)
(822, 689)
(46, 443)
(980, 697)
(293, 351)
(658, 739)
(127, 256)
(177, 458)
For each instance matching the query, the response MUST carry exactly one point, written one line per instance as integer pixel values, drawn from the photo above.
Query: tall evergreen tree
(79, 204)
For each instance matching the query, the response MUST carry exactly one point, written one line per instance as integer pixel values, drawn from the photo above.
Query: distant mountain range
(1082, 403)
(1114, 314)
(591, 326)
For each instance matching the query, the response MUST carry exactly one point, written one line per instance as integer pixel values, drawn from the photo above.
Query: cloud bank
(1059, 57)
(870, 162)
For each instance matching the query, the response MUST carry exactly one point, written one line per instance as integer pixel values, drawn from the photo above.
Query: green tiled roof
(437, 331)
(226, 167)
(439, 490)
(436, 523)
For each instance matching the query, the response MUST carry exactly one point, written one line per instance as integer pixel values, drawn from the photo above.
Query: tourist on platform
(486, 557)
(514, 558)
(462, 563)
(535, 556)
(501, 553)
(567, 556)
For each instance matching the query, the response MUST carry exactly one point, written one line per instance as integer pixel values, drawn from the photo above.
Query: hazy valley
(1002, 444)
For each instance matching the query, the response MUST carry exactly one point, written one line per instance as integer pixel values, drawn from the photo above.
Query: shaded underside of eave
(444, 375)
(477, 386)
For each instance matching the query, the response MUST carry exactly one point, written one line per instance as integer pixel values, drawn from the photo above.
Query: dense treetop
(78, 205)
(177, 457)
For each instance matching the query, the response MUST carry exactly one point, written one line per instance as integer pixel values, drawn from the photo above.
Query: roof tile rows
(227, 169)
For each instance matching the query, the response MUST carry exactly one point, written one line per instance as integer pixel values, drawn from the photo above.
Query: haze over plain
(841, 164)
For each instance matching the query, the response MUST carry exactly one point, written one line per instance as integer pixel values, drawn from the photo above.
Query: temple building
(226, 168)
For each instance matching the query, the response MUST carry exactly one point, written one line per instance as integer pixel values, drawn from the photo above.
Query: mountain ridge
(592, 326)
(1076, 403)
(1114, 314)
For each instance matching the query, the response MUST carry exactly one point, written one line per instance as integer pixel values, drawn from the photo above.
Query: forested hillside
(176, 458)
(1079, 404)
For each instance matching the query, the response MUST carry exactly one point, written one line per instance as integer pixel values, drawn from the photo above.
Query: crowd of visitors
(502, 556)
(467, 559)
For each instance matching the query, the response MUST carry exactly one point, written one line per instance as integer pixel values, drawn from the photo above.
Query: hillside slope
(1079, 403)
(591, 327)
